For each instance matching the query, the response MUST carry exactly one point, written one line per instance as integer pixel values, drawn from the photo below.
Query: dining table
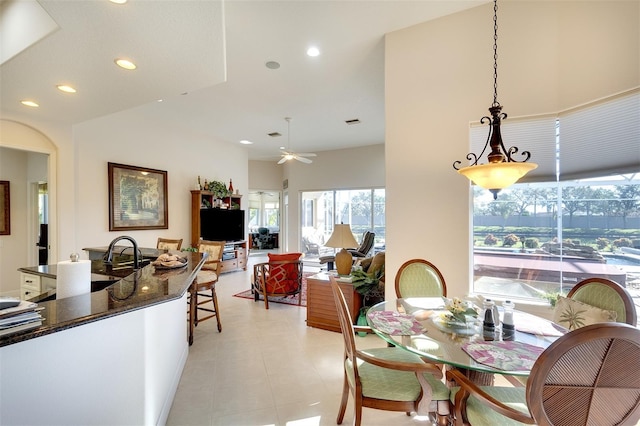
(423, 326)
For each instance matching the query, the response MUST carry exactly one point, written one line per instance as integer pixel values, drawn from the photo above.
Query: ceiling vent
(351, 122)
(274, 134)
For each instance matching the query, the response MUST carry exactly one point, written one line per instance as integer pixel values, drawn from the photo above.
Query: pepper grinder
(488, 324)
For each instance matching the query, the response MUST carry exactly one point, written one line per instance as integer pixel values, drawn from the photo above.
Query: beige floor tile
(266, 367)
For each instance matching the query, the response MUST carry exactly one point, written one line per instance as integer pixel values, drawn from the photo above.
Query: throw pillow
(573, 314)
(377, 262)
(283, 278)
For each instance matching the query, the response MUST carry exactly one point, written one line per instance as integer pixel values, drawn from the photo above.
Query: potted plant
(371, 286)
(219, 189)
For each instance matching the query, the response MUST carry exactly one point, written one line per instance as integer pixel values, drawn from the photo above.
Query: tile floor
(266, 368)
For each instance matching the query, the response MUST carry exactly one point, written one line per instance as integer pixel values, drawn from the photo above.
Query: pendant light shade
(502, 169)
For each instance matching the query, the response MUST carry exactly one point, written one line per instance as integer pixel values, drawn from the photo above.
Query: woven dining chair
(606, 294)
(419, 278)
(386, 378)
(589, 376)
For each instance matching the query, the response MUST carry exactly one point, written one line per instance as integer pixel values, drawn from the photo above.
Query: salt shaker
(508, 328)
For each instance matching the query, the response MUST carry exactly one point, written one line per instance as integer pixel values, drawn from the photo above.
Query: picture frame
(137, 198)
(5, 208)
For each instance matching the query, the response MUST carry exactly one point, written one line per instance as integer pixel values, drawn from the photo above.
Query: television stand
(234, 257)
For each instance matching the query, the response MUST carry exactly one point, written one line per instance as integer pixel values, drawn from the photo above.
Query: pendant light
(502, 170)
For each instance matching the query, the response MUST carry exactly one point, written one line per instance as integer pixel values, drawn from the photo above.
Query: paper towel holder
(74, 257)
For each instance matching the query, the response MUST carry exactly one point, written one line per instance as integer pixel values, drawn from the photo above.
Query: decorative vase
(362, 320)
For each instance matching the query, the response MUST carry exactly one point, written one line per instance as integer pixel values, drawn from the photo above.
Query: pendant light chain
(495, 54)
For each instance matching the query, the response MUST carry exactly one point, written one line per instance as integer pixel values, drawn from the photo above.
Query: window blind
(601, 139)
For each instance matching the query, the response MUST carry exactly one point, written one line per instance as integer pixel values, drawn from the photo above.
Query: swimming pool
(622, 259)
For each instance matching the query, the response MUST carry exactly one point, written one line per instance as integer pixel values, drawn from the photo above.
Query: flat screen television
(222, 225)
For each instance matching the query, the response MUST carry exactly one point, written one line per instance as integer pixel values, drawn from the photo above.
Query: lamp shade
(342, 237)
(497, 175)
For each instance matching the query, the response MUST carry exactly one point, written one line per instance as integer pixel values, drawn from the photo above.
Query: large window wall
(362, 209)
(572, 221)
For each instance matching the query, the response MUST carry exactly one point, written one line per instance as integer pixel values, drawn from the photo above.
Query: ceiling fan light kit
(502, 170)
(290, 155)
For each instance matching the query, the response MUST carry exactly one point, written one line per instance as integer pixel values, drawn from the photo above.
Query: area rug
(287, 300)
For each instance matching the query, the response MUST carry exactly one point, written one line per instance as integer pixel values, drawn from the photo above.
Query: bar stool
(204, 282)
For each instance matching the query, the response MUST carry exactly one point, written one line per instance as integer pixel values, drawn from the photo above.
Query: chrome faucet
(108, 259)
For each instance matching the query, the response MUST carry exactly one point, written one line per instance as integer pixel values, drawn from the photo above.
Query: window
(540, 238)
(264, 210)
(363, 209)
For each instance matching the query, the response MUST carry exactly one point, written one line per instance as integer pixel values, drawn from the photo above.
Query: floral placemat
(508, 356)
(395, 323)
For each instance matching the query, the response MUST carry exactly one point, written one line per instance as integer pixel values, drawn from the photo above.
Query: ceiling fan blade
(306, 154)
(304, 160)
(282, 160)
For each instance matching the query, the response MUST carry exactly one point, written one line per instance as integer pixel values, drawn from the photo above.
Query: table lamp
(342, 238)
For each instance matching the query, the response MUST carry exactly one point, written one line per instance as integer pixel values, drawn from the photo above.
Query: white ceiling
(185, 50)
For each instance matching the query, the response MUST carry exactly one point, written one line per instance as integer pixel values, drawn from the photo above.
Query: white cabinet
(32, 285)
(29, 286)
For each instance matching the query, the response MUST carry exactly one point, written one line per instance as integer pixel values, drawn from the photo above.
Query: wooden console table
(321, 308)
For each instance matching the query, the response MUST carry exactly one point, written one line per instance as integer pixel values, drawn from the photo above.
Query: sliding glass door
(362, 209)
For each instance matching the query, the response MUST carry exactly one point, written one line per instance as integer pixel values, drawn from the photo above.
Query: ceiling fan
(290, 155)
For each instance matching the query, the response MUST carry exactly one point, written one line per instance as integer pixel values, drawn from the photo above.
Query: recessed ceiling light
(65, 88)
(246, 142)
(272, 65)
(282, 147)
(118, 1)
(313, 51)
(126, 64)
(29, 103)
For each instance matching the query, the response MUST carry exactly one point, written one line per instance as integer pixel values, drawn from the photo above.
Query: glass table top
(422, 329)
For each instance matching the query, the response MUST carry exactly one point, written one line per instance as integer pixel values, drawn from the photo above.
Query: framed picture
(137, 198)
(5, 210)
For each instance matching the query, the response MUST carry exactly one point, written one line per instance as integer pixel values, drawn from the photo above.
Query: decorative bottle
(508, 328)
(230, 187)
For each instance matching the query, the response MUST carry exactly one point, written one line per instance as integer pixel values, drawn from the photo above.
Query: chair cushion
(283, 278)
(384, 383)
(214, 253)
(574, 314)
(480, 414)
(163, 245)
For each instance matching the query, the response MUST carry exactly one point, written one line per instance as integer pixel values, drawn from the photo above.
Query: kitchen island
(113, 356)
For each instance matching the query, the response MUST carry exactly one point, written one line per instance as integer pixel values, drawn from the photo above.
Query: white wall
(439, 77)
(78, 162)
(13, 247)
(136, 138)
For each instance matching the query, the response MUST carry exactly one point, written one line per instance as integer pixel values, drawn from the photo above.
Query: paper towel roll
(73, 278)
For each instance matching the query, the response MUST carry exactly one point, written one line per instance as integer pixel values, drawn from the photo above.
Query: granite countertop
(143, 288)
